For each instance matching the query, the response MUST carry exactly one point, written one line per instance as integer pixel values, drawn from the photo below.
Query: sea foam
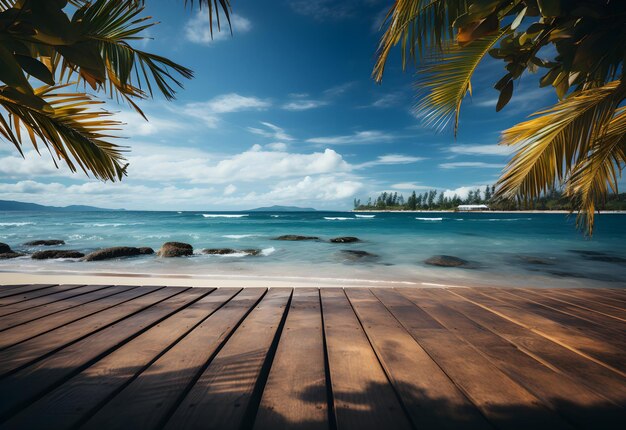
(365, 216)
(337, 218)
(429, 219)
(224, 215)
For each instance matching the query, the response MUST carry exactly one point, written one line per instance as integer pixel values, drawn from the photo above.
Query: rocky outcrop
(45, 242)
(357, 255)
(146, 250)
(114, 252)
(175, 249)
(227, 251)
(293, 237)
(4, 248)
(535, 260)
(10, 254)
(345, 239)
(56, 253)
(599, 256)
(446, 261)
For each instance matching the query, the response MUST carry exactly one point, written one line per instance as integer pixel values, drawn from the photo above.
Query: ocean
(519, 249)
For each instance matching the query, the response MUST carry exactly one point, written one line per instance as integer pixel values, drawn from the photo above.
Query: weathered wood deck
(113, 357)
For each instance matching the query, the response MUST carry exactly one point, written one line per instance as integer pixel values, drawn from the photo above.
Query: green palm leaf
(418, 25)
(69, 129)
(599, 171)
(557, 140)
(445, 80)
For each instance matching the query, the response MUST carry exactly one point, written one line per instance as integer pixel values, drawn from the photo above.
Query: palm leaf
(556, 140)
(70, 130)
(421, 24)
(444, 81)
(598, 172)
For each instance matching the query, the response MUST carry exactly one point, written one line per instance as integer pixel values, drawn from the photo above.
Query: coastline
(474, 212)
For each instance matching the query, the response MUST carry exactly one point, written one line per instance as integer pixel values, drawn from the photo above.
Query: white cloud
(462, 192)
(471, 164)
(13, 166)
(136, 125)
(198, 29)
(256, 164)
(481, 149)
(230, 189)
(410, 186)
(232, 102)
(208, 112)
(298, 105)
(390, 159)
(386, 101)
(368, 136)
(271, 131)
(324, 188)
(276, 146)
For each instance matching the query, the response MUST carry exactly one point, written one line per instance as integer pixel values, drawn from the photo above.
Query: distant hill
(11, 205)
(276, 208)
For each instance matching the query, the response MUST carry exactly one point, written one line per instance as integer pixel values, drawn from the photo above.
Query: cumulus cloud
(198, 29)
(256, 164)
(462, 192)
(230, 189)
(322, 188)
(360, 137)
(209, 111)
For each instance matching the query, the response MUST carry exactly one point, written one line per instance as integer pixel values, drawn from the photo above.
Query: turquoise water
(518, 248)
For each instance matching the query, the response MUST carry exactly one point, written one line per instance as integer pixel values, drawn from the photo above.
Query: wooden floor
(113, 357)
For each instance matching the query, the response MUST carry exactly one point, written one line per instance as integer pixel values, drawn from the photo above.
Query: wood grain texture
(118, 357)
(295, 392)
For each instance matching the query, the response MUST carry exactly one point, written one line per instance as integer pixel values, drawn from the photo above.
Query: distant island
(277, 208)
(12, 205)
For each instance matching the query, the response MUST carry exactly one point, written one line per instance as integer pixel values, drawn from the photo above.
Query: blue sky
(283, 112)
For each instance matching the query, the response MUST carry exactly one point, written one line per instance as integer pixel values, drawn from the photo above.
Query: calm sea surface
(516, 249)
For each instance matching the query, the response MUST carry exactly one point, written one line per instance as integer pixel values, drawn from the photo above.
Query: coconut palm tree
(579, 46)
(47, 55)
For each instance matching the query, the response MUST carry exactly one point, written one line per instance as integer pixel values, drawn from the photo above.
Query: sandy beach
(197, 280)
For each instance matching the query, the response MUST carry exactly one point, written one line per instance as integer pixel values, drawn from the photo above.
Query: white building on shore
(472, 208)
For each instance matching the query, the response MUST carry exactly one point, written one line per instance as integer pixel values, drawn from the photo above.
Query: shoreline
(480, 212)
(200, 280)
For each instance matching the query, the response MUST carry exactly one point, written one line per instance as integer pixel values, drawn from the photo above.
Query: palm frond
(68, 128)
(419, 25)
(556, 140)
(445, 80)
(214, 7)
(598, 172)
(111, 27)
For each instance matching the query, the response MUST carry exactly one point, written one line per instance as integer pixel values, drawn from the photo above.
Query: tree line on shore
(438, 200)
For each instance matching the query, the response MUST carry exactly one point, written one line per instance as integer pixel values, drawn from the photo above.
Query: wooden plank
(76, 398)
(149, 399)
(19, 289)
(570, 399)
(8, 287)
(600, 295)
(554, 355)
(363, 398)
(35, 380)
(587, 305)
(31, 291)
(33, 306)
(591, 298)
(35, 348)
(444, 406)
(578, 337)
(34, 328)
(223, 394)
(608, 326)
(295, 392)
